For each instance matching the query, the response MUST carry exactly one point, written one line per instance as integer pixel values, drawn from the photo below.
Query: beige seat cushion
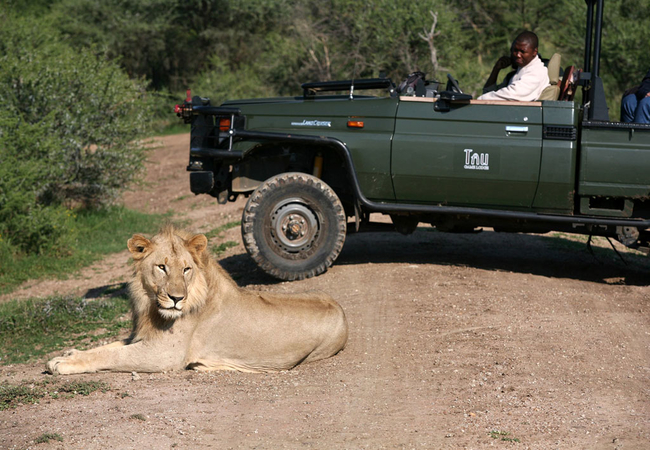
(552, 92)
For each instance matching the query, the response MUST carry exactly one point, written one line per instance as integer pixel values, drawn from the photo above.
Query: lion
(188, 313)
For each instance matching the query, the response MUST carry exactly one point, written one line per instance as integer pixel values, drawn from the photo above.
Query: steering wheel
(568, 85)
(452, 84)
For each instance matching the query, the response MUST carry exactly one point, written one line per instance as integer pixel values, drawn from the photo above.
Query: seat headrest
(553, 68)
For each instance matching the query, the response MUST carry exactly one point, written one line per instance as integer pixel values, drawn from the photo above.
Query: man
(635, 106)
(530, 79)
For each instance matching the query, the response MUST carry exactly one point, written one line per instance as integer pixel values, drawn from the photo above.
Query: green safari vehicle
(421, 153)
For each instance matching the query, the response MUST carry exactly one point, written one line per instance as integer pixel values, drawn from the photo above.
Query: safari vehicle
(421, 154)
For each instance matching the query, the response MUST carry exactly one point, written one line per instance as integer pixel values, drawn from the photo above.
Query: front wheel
(294, 226)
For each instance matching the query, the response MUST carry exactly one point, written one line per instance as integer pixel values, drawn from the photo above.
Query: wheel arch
(271, 158)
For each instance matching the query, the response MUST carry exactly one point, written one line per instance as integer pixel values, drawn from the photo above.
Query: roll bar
(594, 102)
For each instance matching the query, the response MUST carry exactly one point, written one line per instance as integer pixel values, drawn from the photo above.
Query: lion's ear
(138, 246)
(197, 244)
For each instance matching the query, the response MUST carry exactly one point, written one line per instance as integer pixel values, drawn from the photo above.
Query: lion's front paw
(52, 365)
(69, 363)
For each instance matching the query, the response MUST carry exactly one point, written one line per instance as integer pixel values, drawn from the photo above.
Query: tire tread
(249, 217)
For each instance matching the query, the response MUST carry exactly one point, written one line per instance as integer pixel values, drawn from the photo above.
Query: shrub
(221, 82)
(70, 130)
(25, 222)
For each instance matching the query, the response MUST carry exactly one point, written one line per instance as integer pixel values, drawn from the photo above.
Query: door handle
(512, 129)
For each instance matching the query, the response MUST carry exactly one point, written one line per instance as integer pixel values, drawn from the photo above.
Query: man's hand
(503, 63)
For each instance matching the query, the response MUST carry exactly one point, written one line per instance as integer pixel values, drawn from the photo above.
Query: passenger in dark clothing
(635, 106)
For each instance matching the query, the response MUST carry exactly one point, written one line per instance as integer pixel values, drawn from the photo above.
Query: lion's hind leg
(206, 365)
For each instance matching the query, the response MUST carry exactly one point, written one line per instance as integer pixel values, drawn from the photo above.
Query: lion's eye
(162, 267)
(187, 270)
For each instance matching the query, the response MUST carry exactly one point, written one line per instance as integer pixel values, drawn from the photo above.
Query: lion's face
(169, 269)
(168, 274)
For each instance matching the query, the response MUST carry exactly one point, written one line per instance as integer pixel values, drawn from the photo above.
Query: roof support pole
(597, 38)
(597, 110)
(588, 34)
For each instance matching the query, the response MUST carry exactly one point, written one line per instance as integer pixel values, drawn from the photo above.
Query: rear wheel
(294, 226)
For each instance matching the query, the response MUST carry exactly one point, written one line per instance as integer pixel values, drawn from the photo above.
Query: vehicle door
(476, 153)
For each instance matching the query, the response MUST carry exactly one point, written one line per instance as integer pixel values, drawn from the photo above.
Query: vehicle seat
(552, 92)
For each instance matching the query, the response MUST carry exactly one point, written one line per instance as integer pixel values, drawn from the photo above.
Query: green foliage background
(81, 80)
(257, 47)
(70, 130)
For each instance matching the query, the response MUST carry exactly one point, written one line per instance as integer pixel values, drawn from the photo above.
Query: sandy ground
(456, 341)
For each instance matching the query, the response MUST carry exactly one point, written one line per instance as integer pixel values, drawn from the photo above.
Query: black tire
(294, 226)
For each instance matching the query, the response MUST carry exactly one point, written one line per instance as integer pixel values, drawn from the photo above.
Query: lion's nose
(176, 298)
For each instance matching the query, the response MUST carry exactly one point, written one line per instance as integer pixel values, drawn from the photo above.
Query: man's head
(524, 49)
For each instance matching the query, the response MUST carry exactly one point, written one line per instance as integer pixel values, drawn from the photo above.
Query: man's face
(522, 53)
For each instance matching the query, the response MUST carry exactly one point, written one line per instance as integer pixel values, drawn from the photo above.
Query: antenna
(356, 58)
(354, 74)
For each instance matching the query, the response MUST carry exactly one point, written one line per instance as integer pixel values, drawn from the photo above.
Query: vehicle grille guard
(188, 111)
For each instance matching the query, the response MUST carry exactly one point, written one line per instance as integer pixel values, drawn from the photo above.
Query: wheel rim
(294, 226)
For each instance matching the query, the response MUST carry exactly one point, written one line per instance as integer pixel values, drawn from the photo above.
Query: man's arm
(501, 64)
(520, 90)
(526, 85)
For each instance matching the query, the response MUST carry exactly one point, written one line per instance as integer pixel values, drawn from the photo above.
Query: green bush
(26, 222)
(70, 130)
(220, 83)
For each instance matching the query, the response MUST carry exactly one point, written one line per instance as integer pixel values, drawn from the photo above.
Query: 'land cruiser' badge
(311, 123)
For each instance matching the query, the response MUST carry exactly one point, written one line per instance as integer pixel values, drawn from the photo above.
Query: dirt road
(456, 341)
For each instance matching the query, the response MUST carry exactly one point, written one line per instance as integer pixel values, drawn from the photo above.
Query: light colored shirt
(525, 86)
